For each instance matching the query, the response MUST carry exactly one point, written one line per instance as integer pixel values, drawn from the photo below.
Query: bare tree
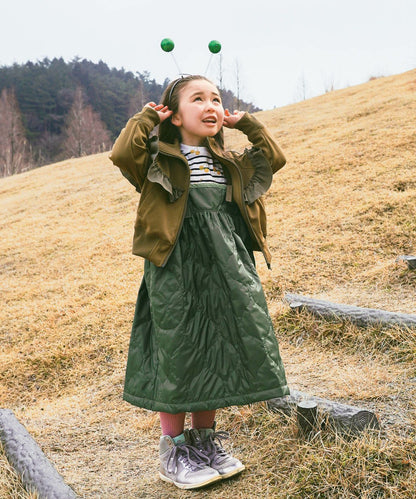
(14, 155)
(237, 83)
(85, 133)
(302, 88)
(220, 72)
(329, 85)
(139, 99)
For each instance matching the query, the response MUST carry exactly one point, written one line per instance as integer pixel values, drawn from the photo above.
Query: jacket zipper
(247, 220)
(183, 214)
(269, 266)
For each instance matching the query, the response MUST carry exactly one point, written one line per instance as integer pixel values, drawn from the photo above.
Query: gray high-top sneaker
(208, 441)
(183, 464)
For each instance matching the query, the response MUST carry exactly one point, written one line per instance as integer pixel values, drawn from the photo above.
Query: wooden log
(31, 464)
(343, 418)
(358, 315)
(307, 417)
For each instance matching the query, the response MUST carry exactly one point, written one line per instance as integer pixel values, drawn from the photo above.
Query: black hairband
(182, 77)
(173, 88)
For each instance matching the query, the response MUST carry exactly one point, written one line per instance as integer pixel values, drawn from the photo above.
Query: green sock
(180, 439)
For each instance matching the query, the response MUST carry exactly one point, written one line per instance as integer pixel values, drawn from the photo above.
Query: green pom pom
(167, 45)
(214, 46)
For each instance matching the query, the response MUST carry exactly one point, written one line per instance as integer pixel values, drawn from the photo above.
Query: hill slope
(340, 213)
(344, 207)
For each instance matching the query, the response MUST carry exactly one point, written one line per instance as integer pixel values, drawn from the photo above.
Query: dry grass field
(340, 213)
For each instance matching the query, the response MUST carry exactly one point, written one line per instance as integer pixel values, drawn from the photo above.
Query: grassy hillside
(344, 207)
(340, 213)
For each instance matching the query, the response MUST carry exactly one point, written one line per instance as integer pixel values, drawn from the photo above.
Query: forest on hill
(52, 110)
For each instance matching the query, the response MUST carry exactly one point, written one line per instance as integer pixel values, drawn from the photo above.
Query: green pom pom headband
(167, 45)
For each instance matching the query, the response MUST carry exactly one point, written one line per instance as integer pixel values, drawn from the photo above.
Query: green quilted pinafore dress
(202, 337)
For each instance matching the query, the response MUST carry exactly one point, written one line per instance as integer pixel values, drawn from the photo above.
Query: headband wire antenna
(177, 65)
(167, 45)
(214, 47)
(209, 62)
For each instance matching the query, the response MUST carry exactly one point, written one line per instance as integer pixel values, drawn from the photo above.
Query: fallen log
(358, 315)
(28, 460)
(409, 260)
(343, 418)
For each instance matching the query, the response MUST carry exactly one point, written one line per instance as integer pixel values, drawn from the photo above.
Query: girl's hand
(163, 111)
(230, 120)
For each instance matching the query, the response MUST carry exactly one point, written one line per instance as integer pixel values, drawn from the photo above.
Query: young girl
(202, 337)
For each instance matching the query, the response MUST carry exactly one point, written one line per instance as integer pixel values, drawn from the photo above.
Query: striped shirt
(202, 166)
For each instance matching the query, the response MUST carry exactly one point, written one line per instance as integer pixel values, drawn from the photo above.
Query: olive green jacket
(161, 174)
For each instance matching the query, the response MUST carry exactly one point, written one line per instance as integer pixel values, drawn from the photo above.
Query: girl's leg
(203, 419)
(172, 424)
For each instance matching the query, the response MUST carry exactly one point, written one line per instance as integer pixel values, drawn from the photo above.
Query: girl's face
(200, 112)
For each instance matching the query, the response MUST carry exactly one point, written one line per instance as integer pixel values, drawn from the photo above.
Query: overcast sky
(283, 49)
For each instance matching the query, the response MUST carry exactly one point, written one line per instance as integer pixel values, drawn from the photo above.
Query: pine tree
(85, 133)
(14, 156)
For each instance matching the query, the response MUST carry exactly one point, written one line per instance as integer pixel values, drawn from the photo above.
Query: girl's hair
(168, 132)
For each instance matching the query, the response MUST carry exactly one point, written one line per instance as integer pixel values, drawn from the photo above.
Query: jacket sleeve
(261, 138)
(130, 152)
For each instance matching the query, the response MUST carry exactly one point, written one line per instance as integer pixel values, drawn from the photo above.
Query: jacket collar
(170, 149)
